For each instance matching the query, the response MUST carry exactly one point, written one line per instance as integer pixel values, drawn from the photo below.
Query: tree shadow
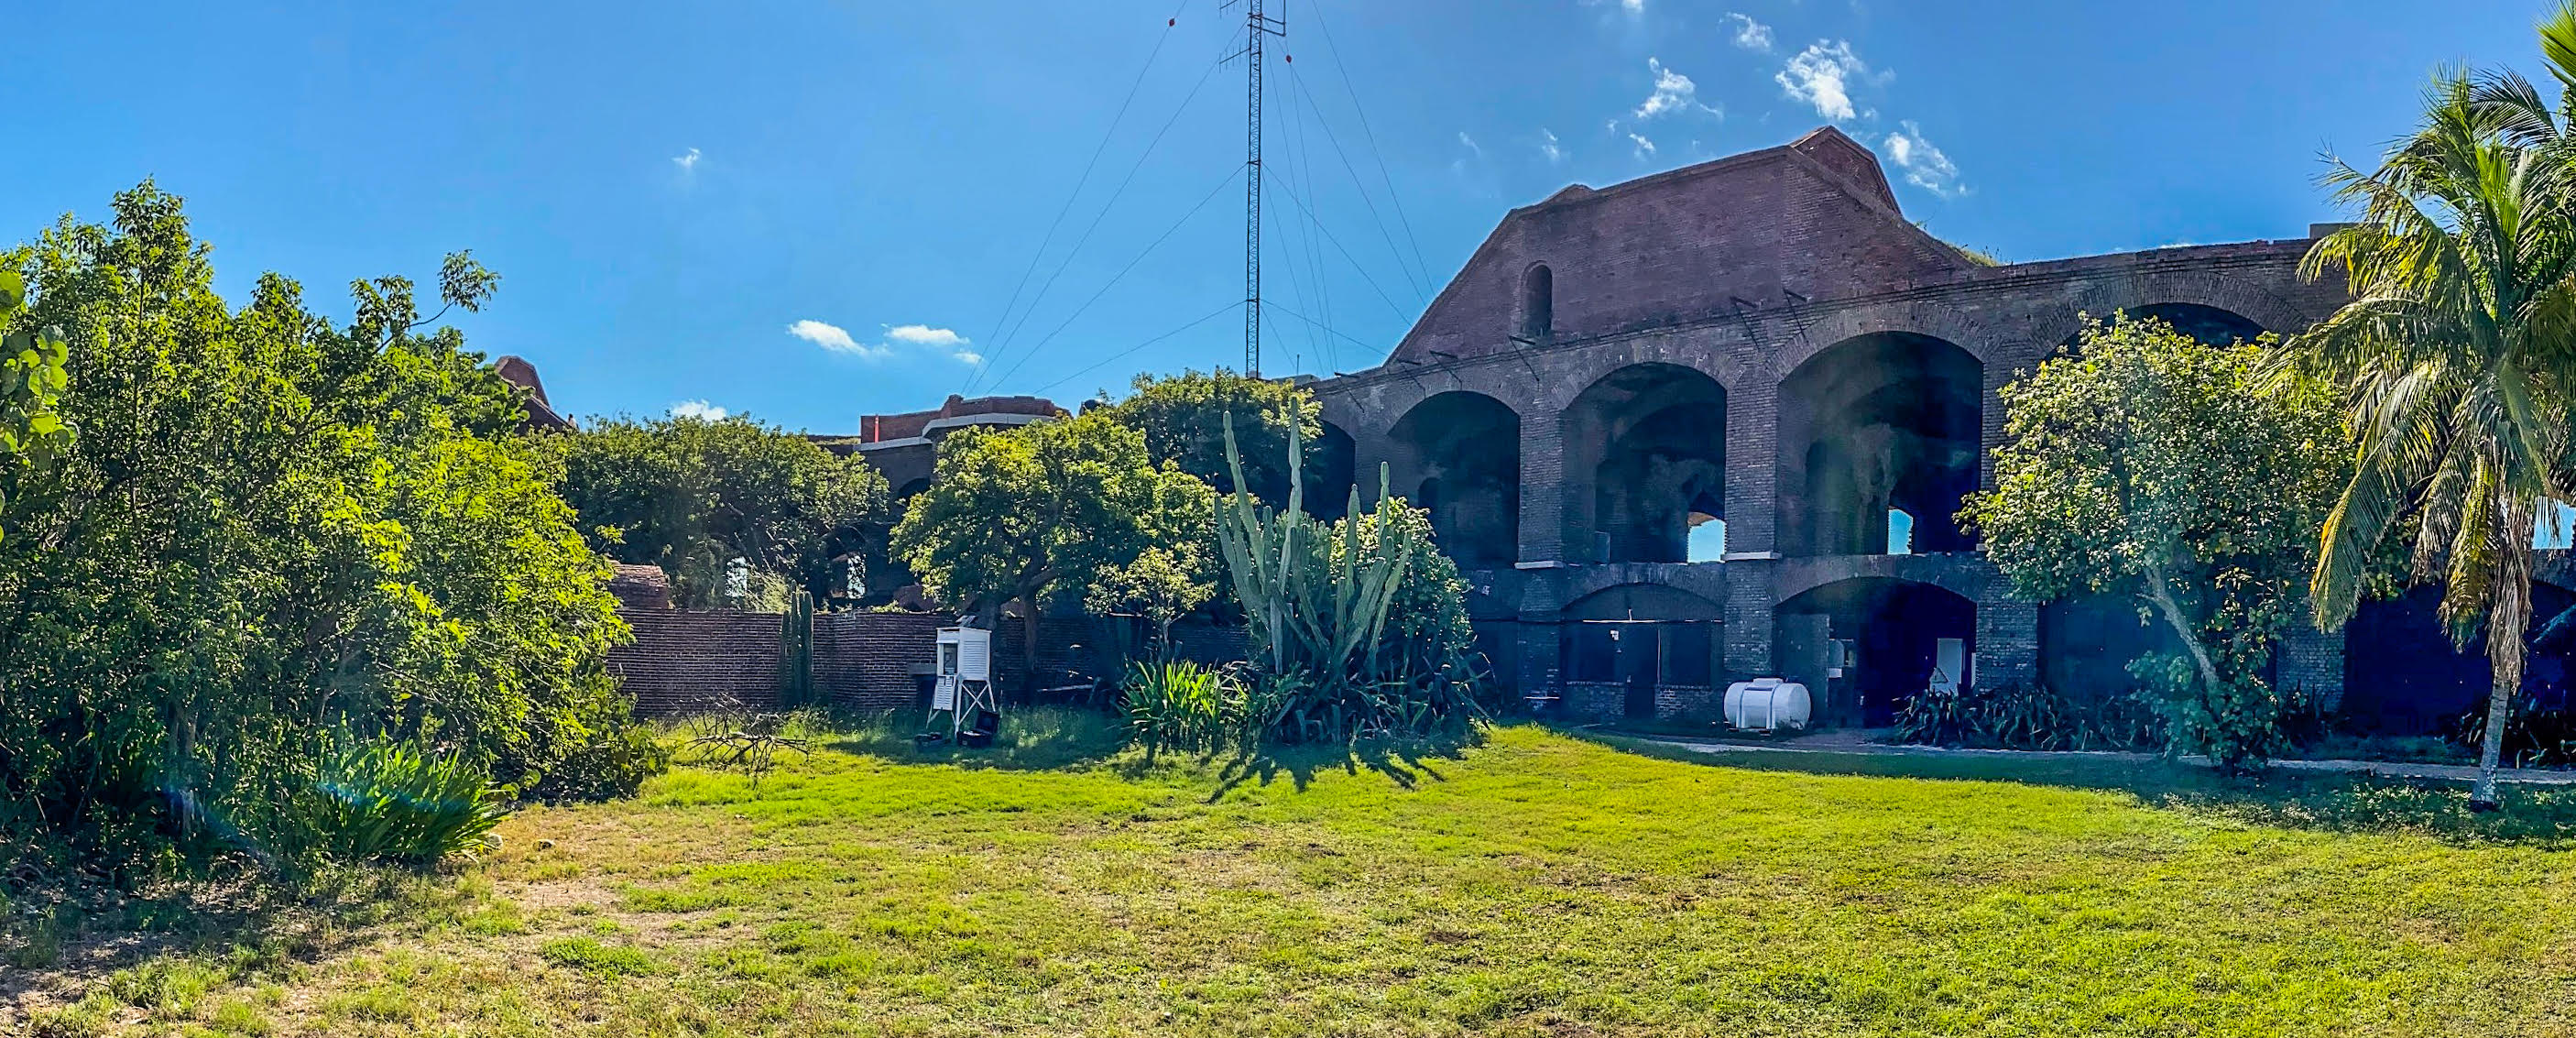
(229, 923)
(1405, 761)
(1034, 738)
(2537, 816)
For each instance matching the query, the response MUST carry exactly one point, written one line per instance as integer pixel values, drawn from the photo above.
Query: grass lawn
(1537, 884)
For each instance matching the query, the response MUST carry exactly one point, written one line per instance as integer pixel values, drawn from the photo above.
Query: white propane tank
(1767, 704)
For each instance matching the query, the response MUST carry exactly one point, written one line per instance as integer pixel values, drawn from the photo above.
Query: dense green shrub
(2534, 736)
(270, 527)
(2030, 716)
(2149, 465)
(1180, 704)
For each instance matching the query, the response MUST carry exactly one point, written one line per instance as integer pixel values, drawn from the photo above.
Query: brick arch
(1572, 370)
(1663, 601)
(1581, 582)
(1370, 414)
(1968, 579)
(2241, 296)
(1986, 340)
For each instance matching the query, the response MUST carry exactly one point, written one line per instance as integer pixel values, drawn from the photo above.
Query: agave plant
(1319, 599)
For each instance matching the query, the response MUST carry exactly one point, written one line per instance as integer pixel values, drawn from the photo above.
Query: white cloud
(1547, 146)
(1645, 148)
(1674, 92)
(1924, 165)
(940, 339)
(836, 339)
(911, 336)
(925, 335)
(1823, 75)
(1470, 142)
(698, 410)
(688, 163)
(1749, 34)
(1633, 7)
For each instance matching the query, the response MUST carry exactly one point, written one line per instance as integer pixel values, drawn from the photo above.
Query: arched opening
(1881, 422)
(911, 489)
(1329, 474)
(1458, 455)
(1538, 303)
(1641, 651)
(2199, 322)
(1865, 647)
(1645, 464)
(2402, 676)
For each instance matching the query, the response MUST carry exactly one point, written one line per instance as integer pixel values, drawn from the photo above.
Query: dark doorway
(2403, 677)
(1638, 652)
(1891, 632)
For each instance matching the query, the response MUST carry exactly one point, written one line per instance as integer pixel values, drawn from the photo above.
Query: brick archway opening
(1458, 455)
(1645, 463)
(2217, 326)
(1890, 421)
(1866, 646)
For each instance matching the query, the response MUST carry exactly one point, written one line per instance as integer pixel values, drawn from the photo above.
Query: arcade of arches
(1872, 443)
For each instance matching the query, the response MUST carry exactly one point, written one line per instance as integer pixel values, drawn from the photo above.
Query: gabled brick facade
(1743, 272)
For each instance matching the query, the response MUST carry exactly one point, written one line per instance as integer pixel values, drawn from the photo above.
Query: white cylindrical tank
(1767, 704)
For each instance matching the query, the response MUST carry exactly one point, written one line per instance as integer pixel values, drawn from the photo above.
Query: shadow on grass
(2540, 816)
(223, 927)
(1032, 738)
(1404, 761)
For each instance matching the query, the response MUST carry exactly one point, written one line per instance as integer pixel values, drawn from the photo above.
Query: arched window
(1538, 303)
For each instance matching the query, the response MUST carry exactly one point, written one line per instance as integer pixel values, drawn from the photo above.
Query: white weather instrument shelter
(965, 685)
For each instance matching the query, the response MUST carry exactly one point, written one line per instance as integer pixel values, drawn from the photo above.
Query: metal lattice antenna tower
(1256, 26)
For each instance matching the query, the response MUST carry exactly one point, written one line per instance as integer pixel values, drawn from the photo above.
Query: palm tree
(2458, 353)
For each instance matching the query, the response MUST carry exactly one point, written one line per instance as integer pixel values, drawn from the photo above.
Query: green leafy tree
(2458, 359)
(1161, 584)
(273, 530)
(1043, 510)
(692, 495)
(1183, 417)
(31, 383)
(2166, 470)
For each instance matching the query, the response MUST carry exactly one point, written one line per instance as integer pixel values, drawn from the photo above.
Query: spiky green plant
(1177, 704)
(1318, 598)
(383, 800)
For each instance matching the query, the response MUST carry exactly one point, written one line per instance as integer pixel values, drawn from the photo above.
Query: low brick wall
(1673, 701)
(685, 661)
(1596, 700)
(690, 662)
(872, 661)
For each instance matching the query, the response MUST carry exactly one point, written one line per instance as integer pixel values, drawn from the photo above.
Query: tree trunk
(2171, 610)
(2508, 618)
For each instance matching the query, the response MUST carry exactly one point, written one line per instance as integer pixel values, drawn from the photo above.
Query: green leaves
(691, 495)
(270, 528)
(1051, 506)
(2153, 466)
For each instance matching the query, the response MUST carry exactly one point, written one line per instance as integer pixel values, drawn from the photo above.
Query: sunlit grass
(1535, 884)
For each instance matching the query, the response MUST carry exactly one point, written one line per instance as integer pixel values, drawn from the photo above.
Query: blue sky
(811, 211)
